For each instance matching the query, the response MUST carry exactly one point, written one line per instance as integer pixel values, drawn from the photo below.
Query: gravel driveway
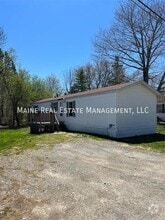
(83, 180)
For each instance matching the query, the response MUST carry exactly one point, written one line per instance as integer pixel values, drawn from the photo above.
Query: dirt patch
(82, 179)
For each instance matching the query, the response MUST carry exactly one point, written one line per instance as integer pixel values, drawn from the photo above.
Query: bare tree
(90, 73)
(137, 37)
(68, 80)
(103, 73)
(161, 84)
(52, 84)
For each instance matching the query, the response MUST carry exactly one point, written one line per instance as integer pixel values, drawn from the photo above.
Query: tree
(52, 84)
(137, 37)
(103, 73)
(80, 83)
(68, 80)
(159, 82)
(7, 71)
(161, 85)
(2, 36)
(90, 73)
(2, 95)
(18, 87)
(118, 75)
(38, 89)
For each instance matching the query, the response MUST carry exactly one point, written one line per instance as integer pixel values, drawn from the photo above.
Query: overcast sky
(52, 36)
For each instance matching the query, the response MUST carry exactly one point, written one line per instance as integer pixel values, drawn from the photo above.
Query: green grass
(16, 140)
(20, 139)
(155, 142)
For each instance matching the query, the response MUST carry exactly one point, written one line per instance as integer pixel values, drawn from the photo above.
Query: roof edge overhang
(147, 86)
(84, 94)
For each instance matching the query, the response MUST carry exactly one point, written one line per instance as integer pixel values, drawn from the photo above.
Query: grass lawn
(154, 142)
(16, 140)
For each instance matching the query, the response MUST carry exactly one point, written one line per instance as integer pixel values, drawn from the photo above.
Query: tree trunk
(15, 118)
(161, 83)
(145, 75)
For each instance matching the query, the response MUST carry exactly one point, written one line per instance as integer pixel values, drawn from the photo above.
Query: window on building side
(54, 105)
(61, 109)
(71, 106)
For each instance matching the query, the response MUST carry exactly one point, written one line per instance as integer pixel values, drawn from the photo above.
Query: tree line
(19, 88)
(100, 74)
(131, 49)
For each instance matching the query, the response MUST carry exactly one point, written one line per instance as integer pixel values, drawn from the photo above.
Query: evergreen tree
(118, 75)
(80, 83)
